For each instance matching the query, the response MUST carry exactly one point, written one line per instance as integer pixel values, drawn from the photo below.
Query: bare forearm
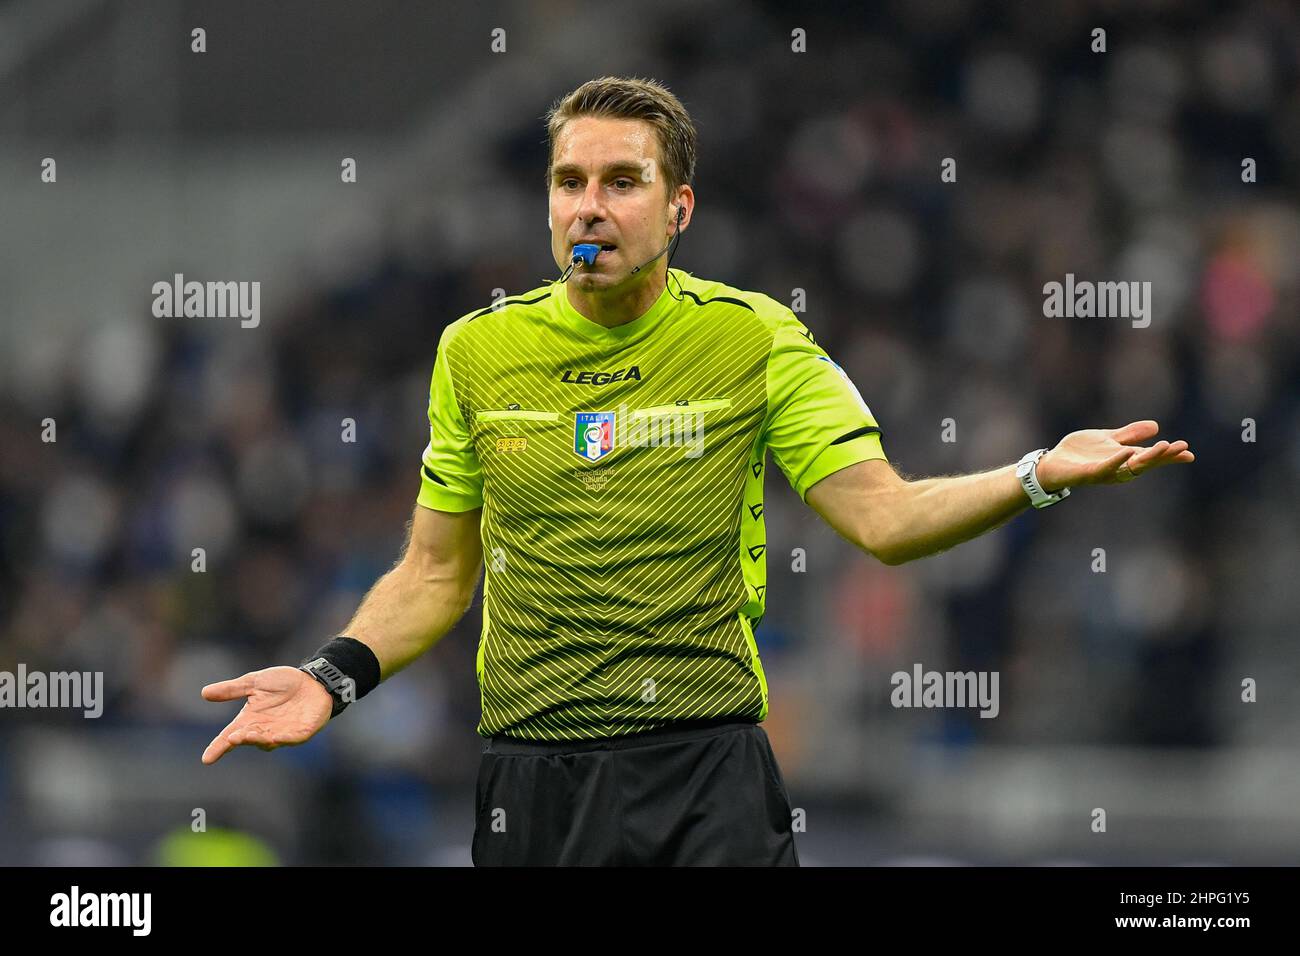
(406, 612)
(896, 520)
(934, 514)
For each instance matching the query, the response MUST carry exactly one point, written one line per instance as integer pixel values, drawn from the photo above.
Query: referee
(599, 443)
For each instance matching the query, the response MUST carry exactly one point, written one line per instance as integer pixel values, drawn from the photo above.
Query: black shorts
(696, 795)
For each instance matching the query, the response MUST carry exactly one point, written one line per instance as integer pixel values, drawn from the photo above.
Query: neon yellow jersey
(620, 473)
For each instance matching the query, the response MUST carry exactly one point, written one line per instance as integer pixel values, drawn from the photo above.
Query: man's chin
(592, 281)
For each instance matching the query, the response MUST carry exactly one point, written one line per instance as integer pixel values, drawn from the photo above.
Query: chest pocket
(515, 414)
(682, 407)
(506, 431)
(680, 424)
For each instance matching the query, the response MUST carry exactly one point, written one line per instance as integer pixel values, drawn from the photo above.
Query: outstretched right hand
(285, 706)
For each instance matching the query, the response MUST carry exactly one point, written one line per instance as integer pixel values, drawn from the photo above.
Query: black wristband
(345, 667)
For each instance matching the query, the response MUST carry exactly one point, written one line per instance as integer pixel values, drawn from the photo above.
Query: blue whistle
(585, 252)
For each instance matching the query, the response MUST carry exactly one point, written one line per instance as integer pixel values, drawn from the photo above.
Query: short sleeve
(817, 421)
(451, 478)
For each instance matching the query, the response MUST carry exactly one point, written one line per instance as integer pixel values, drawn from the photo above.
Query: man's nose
(592, 206)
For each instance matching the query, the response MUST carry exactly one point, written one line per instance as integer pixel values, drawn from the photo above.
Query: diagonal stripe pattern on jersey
(620, 472)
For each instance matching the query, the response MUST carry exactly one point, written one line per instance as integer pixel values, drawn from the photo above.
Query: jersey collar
(585, 326)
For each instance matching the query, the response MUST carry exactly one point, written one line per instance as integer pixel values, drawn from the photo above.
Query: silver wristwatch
(1027, 472)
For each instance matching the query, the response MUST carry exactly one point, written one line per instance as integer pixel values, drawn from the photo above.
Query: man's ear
(676, 209)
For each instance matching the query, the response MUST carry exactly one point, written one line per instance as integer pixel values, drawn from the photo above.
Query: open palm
(1101, 456)
(284, 706)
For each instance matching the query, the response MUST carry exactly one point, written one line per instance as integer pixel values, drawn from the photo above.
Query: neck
(620, 304)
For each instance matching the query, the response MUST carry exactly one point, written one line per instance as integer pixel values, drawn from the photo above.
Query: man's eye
(619, 182)
(565, 184)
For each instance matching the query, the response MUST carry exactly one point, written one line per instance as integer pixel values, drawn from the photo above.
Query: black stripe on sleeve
(857, 433)
(433, 477)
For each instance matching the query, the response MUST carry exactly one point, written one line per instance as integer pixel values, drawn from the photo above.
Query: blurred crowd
(1125, 616)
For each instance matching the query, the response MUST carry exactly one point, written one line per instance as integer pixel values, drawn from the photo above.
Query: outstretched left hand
(1106, 456)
